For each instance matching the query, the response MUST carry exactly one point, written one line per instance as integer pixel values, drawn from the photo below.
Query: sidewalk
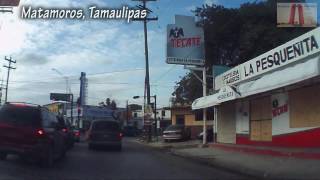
(263, 166)
(245, 160)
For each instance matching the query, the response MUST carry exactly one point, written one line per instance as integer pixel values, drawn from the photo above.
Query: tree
(234, 36)
(108, 102)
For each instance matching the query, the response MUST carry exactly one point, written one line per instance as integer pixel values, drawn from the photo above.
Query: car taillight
(40, 132)
(77, 133)
(120, 135)
(64, 130)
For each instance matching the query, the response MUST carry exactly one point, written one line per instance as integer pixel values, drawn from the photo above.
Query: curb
(269, 152)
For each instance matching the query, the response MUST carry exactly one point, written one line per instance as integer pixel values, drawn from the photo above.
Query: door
(180, 120)
(261, 119)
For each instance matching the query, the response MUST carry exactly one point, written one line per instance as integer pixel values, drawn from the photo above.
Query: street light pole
(65, 77)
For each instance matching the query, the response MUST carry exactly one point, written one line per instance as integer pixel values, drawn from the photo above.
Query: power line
(76, 76)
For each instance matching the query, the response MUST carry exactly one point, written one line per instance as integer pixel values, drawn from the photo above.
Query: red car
(31, 131)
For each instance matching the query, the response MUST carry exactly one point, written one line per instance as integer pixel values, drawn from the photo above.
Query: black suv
(30, 131)
(105, 133)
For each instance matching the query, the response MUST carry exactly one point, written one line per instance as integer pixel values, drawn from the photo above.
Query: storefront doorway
(261, 119)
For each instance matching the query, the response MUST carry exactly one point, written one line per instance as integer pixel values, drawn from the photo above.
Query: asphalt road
(134, 162)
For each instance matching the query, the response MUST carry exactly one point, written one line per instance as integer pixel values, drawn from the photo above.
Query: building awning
(281, 78)
(226, 93)
(288, 76)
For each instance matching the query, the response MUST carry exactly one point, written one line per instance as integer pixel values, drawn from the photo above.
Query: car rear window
(24, 115)
(105, 126)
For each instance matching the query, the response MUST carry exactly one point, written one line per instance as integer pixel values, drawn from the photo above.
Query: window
(199, 114)
(135, 115)
(163, 113)
(49, 119)
(105, 126)
(20, 115)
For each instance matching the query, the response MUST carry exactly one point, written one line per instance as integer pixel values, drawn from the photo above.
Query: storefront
(277, 97)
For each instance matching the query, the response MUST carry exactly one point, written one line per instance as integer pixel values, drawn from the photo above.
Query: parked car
(209, 135)
(131, 131)
(76, 135)
(30, 131)
(67, 132)
(176, 132)
(105, 133)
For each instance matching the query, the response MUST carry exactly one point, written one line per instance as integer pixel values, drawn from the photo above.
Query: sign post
(63, 97)
(185, 46)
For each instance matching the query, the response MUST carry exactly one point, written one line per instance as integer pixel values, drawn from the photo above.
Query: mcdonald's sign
(296, 14)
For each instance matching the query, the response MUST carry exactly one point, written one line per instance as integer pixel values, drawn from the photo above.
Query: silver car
(176, 132)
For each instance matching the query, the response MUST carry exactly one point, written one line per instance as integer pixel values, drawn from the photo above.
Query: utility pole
(1, 88)
(127, 118)
(9, 67)
(147, 79)
(155, 116)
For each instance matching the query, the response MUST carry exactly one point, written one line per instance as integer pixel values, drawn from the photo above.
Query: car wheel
(3, 156)
(47, 161)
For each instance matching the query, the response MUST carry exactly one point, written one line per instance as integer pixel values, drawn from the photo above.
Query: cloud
(210, 2)
(31, 59)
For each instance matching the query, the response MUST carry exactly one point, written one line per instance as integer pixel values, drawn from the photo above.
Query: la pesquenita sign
(185, 42)
(292, 51)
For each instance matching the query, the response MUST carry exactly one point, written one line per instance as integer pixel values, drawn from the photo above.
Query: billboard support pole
(204, 86)
(204, 90)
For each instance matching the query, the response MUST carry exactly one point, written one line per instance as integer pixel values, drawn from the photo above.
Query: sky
(110, 52)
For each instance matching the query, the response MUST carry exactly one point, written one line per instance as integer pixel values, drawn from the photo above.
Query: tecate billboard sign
(292, 51)
(297, 14)
(185, 42)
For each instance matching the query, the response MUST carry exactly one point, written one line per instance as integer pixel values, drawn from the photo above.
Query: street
(134, 162)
